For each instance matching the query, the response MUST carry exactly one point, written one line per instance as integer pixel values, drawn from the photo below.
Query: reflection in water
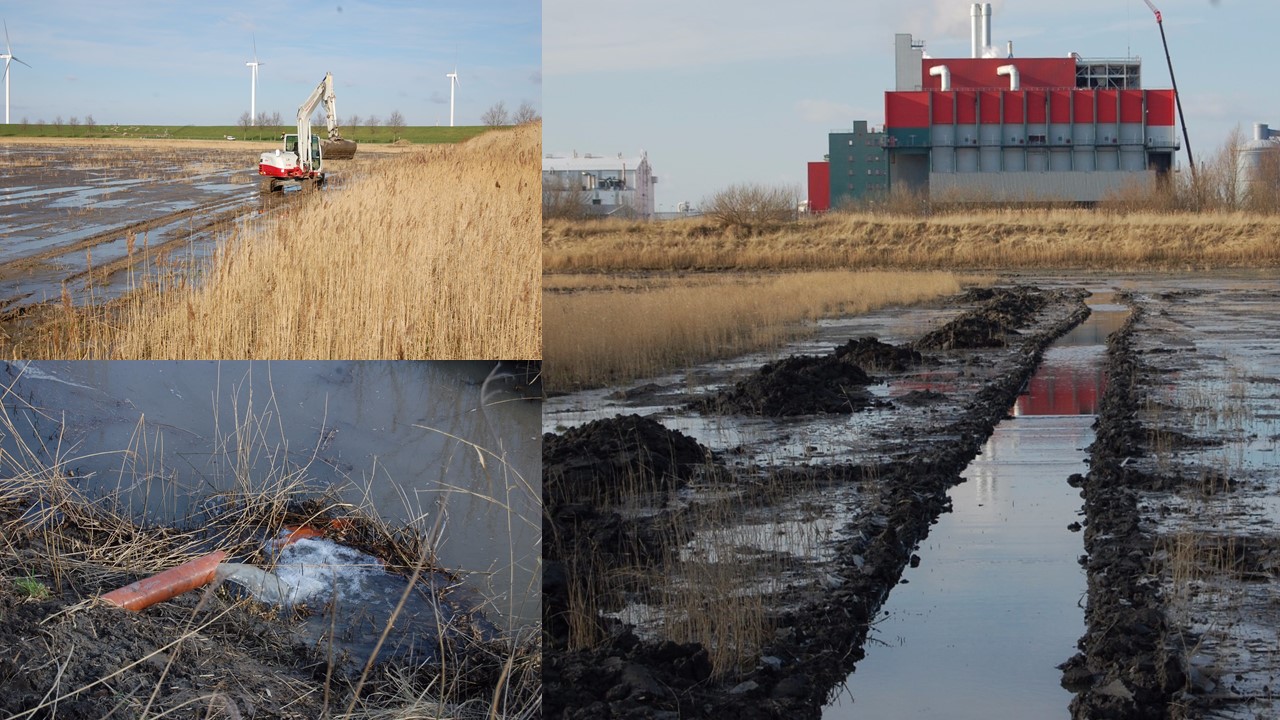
(992, 608)
(421, 443)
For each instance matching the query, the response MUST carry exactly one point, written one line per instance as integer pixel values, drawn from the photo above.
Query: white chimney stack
(975, 21)
(986, 29)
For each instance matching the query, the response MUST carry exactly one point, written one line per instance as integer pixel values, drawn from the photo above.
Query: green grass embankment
(415, 134)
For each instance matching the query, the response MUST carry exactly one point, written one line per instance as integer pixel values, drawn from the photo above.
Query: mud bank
(209, 653)
(603, 667)
(1181, 512)
(1128, 666)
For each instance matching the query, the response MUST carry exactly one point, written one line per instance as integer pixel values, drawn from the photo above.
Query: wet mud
(208, 653)
(1181, 521)
(898, 482)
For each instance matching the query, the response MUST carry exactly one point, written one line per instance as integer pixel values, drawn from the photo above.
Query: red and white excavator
(299, 164)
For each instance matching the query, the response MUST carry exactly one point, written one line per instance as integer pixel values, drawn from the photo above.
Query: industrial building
(606, 186)
(995, 128)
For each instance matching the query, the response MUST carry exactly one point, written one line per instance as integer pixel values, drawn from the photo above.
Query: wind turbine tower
(453, 83)
(7, 56)
(253, 83)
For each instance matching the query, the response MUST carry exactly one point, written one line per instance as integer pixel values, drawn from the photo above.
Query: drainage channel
(977, 630)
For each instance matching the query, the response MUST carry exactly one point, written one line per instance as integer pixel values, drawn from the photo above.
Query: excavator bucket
(338, 149)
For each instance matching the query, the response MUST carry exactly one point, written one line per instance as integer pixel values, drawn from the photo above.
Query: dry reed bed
(970, 240)
(427, 255)
(606, 337)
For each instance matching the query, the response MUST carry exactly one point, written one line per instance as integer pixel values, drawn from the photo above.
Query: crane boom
(1176, 97)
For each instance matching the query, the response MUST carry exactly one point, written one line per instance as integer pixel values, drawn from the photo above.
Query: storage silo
(1255, 160)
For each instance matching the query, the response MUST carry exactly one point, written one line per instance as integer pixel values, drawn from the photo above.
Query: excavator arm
(335, 147)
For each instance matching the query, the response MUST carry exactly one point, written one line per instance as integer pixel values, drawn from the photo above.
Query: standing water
(978, 629)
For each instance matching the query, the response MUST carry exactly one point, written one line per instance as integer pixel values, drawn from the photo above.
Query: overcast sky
(142, 61)
(727, 91)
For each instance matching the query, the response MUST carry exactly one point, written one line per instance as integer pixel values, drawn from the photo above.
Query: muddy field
(84, 223)
(739, 542)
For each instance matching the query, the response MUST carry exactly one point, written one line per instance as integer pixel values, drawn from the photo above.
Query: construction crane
(1176, 96)
(300, 162)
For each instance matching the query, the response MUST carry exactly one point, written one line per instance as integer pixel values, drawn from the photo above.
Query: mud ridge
(1129, 665)
(819, 644)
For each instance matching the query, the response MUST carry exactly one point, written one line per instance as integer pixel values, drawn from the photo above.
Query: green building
(859, 165)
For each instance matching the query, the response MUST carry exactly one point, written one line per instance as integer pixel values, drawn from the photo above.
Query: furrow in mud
(818, 642)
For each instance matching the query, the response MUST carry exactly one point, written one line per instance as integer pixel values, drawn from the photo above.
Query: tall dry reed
(604, 337)
(975, 239)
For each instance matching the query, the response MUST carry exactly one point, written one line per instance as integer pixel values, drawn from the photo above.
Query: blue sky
(726, 91)
(143, 61)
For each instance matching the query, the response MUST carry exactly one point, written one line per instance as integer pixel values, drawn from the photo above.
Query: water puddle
(977, 630)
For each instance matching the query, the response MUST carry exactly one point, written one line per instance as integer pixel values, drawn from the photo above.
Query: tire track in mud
(213, 215)
(817, 645)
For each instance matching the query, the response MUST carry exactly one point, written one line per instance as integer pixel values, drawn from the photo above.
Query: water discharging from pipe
(996, 604)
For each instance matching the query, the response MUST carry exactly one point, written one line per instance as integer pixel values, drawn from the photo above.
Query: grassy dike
(419, 134)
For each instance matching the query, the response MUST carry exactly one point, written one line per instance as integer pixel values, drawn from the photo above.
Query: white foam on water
(310, 569)
(315, 567)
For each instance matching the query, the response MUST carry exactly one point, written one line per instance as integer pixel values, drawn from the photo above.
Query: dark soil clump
(607, 459)
(1002, 312)
(869, 353)
(798, 385)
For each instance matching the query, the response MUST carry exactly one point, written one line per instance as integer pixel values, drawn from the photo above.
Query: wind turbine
(453, 83)
(7, 56)
(253, 83)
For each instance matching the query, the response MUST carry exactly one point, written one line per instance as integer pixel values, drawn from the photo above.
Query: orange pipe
(168, 584)
(301, 532)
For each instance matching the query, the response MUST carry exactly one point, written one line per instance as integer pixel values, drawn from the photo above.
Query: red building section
(921, 109)
(1046, 94)
(819, 187)
(980, 73)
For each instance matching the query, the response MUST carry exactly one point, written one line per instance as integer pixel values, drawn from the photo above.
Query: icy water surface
(978, 629)
(415, 440)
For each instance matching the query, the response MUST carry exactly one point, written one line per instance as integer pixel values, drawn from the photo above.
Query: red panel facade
(989, 107)
(944, 111)
(1013, 106)
(819, 187)
(1131, 106)
(966, 107)
(906, 109)
(1082, 106)
(1060, 106)
(1036, 107)
(1107, 111)
(1160, 107)
(980, 73)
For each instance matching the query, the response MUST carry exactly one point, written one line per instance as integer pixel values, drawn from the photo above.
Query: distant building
(859, 165)
(609, 186)
(997, 128)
